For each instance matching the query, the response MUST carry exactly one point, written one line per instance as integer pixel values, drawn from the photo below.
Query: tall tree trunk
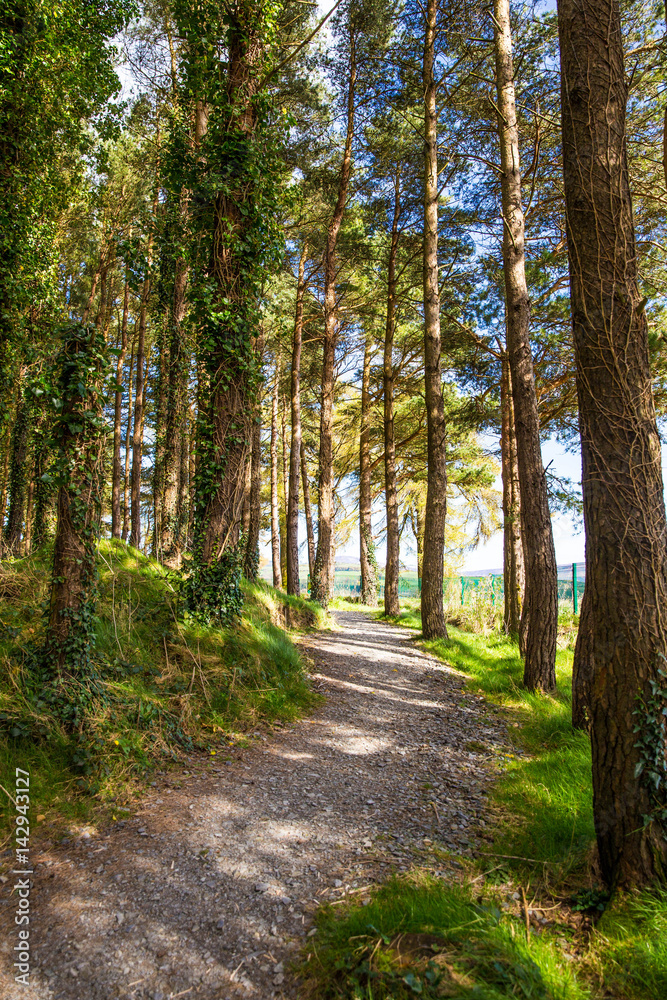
(17, 476)
(6, 441)
(170, 540)
(433, 615)
(128, 442)
(366, 546)
(539, 620)
(391, 571)
(583, 666)
(664, 131)
(184, 479)
(417, 522)
(80, 455)
(308, 513)
(624, 508)
(44, 490)
(26, 547)
(117, 420)
(275, 513)
(283, 499)
(93, 290)
(144, 547)
(245, 512)
(251, 561)
(320, 581)
(293, 586)
(102, 305)
(137, 436)
(224, 419)
(159, 448)
(192, 495)
(513, 575)
(251, 565)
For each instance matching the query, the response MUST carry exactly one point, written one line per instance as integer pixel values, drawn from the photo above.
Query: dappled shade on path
(210, 889)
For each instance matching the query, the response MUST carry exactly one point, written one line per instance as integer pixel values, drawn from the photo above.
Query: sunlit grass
(420, 936)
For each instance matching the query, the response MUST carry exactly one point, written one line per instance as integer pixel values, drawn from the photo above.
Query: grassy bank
(465, 936)
(169, 687)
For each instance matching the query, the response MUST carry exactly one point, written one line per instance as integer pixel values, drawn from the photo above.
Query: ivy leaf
(414, 983)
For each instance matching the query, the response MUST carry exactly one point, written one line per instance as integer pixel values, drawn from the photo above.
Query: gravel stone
(393, 767)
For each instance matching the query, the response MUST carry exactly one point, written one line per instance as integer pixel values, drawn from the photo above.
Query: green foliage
(212, 592)
(56, 82)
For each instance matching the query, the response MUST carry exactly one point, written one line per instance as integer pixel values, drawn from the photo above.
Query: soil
(209, 889)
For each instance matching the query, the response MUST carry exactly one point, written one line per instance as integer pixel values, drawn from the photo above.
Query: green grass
(171, 687)
(542, 804)
(421, 937)
(631, 946)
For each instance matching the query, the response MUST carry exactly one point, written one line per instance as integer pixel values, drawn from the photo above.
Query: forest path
(209, 890)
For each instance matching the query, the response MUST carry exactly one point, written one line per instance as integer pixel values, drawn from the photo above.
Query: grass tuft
(421, 937)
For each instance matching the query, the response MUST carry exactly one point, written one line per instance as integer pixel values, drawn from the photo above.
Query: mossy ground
(170, 686)
(428, 937)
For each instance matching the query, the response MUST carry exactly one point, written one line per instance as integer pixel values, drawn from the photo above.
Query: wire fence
(571, 582)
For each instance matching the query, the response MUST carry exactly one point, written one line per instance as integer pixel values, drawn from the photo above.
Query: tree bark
(539, 620)
(192, 478)
(26, 547)
(391, 571)
(624, 509)
(137, 436)
(44, 491)
(366, 547)
(184, 478)
(5, 440)
(80, 454)
(283, 499)
(513, 573)
(226, 413)
(251, 565)
(275, 513)
(583, 666)
(93, 290)
(321, 583)
(170, 534)
(255, 519)
(128, 441)
(310, 534)
(17, 476)
(417, 521)
(117, 420)
(245, 511)
(293, 586)
(433, 615)
(160, 404)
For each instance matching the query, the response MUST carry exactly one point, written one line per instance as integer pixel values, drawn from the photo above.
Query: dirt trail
(209, 890)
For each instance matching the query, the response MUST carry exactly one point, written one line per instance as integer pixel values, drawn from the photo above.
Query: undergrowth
(465, 937)
(171, 685)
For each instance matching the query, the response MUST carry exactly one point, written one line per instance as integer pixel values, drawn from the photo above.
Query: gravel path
(209, 889)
